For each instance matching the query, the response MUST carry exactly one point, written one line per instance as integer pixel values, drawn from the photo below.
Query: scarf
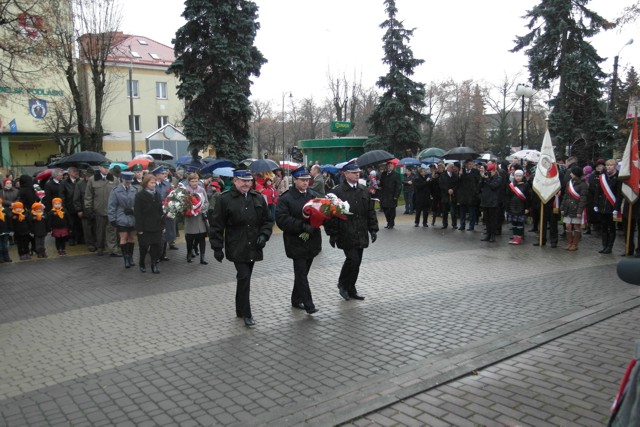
(58, 211)
(1, 211)
(37, 211)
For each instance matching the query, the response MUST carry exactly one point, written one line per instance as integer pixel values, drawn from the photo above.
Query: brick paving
(85, 342)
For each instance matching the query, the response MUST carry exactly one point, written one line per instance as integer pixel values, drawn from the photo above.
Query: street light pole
(614, 80)
(283, 120)
(132, 120)
(523, 91)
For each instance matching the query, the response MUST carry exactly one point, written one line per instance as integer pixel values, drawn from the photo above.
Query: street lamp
(132, 117)
(523, 91)
(614, 79)
(283, 120)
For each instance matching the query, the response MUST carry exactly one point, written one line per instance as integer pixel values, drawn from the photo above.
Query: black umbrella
(461, 153)
(263, 165)
(373, 157)
(81, 158)
(218, 163)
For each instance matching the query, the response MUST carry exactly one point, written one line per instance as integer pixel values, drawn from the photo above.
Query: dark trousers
(350, 270)
(449, 208)
(22, 242)
(608, 230)
(471, 209)
(301, 291)
(243, 288)
(550, 222)
(102, 221)
(424, 210)
(149, 243)
(75, 230)
(89, 232)
(491, 219)
(390, 215)
(408, 202)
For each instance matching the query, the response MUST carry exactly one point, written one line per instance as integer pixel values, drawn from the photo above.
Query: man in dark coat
(67, 188)
(448, 182)
(302, 251)
(52, 189)
(491, 186)
(352, 235)
(390, 186)
(422, 188)
(242, 224)
(467, 194)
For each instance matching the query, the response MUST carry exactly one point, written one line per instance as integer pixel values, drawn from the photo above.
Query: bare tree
(434, 110)
(261, 112)
(477, 126)
(458, 106)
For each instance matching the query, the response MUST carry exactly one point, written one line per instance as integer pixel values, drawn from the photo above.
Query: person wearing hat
(573, 206)
(422, 185)
(52, 188)
(5, 232)
(390, 186)
(163, 188)
(9, 193)
(518, 204)
(467, 194)
(608, 189)
(67, 188)
(352, 235)
(39, 228)
(491, 185)
(20, 227)
(96, 202)
(241, 224)
(121, 215)
(148, 213)
(138, 172)
(448, 183)
(88, 230)
(290, 220)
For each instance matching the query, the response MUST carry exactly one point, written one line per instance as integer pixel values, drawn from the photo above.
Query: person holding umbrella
(241, 224)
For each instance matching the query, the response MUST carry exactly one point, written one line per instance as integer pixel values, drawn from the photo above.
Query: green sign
(341, 127)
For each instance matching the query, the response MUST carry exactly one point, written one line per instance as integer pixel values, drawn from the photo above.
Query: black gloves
(261, 242)
(218, 255)
(307, 228)
(374, 236)
(128, 211)
(332, 241)
(113, 224)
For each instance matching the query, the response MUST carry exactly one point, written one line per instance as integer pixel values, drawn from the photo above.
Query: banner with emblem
(630, 166)
(38, 108)
(546, 182)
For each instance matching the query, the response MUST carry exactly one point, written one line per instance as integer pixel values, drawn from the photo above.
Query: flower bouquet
(193, 204)
(39, 191)
(318, 210)
(176, 202)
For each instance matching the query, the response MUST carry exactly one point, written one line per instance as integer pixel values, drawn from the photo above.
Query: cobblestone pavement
(548, 332)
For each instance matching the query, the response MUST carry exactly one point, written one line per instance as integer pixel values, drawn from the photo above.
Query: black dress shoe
(492, 240)
(311, 310)
(143, 269)
(164, 258)
(298, 305)
(461, 228)
(416, 225)
(115, 255)
(173, 247)
(554, 245)
(538, 244)
(386, 226)
(344, 294)
(425, 225)
(486, 239)
(249, 322)
(357, 297)
(444, 226)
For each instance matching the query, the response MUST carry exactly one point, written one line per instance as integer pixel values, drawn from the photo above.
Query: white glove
(615, 214)
(595, 209)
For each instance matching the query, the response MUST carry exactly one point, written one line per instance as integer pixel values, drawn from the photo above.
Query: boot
(605, 241)
(202, 261)
(125, 255)
(569, 242)
(154, 267)
(5, 256)
(164, 257)
(576, 239)
(131, 247)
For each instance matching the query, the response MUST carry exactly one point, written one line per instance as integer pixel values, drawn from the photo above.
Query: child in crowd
(20, 227)
(518, 202)
(58, 221)
(271, 194)
(5, 231)
(39, 228)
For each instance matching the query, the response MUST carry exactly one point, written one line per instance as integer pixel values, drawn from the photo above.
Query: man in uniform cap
(352, 235)
(302, 251)
(96, 200)
(138, 172)
(242, 224)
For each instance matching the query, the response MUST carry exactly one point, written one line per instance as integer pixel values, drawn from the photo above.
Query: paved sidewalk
(84, 341)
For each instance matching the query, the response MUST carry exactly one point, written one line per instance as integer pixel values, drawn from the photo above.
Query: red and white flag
(546, 182)
(630, 167)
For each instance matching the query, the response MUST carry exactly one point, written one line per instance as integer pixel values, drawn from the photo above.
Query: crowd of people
(110, 211)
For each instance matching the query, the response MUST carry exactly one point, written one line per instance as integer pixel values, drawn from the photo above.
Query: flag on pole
(630, 168)
(546, 182)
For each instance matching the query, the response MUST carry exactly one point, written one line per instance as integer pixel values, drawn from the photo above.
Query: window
(136, 123)
(161, 90)
(133, 83)
(162, 120)
(154, 56)
(135, 54)
(143, 42)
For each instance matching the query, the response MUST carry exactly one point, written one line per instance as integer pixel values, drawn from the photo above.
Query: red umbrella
(142, 161)
(45, 174)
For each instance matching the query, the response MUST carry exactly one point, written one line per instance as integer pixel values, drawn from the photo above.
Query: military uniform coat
(122, 198)
(237, 223)
(290, 220)
(354, 231)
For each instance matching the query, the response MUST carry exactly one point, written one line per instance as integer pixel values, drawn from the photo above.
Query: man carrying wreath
(302, 251)
(352, 235)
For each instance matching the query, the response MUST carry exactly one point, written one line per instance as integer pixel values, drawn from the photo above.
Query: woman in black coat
(422, 188)
(147, 209)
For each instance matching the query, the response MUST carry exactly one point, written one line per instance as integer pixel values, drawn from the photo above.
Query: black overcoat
(422, 188)
(354, 231)
(147, 210)
(390, 186)
(290, 220)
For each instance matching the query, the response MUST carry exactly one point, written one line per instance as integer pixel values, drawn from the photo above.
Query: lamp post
(523, 91)
(283, 120)
(614, 80)
(132, 120)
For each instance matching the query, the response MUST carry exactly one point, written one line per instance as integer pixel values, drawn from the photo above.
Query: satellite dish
(169, 132)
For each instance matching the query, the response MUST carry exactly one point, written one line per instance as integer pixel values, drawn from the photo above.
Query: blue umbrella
(218, 163)
(428, 160)
(223, 171)
(184, 160)
(409, 161)
(329, 168)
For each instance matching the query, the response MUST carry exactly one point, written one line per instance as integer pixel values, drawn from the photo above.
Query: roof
(140, 50)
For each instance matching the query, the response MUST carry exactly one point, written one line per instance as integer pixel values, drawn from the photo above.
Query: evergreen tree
(558, 49)
(627, 89)
(215, 59)
(395, 121)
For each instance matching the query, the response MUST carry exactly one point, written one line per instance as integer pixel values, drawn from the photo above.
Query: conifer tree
(558, 49)
(396, 119)
(215, 60)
